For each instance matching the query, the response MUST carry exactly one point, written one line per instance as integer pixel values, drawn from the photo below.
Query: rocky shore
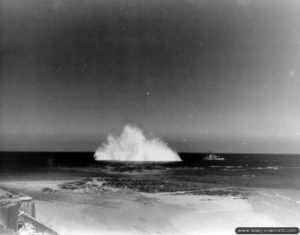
(100, 184)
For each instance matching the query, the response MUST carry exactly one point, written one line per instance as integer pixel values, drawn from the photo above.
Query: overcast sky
(203, 75)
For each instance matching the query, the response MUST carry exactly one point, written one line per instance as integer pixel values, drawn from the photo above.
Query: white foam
(132, 145)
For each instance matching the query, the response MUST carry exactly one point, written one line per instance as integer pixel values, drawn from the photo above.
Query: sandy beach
(120, 210)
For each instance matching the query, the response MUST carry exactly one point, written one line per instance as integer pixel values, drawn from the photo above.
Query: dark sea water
(250, 170)
(12, 160)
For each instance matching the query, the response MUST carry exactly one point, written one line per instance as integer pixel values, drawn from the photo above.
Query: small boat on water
(213, 157)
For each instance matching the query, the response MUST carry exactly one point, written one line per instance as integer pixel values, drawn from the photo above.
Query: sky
(204, 75)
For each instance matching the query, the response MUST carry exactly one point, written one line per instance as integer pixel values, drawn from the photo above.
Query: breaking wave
(132, 145)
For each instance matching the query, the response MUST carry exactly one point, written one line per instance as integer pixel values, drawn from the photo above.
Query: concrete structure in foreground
(17, 210)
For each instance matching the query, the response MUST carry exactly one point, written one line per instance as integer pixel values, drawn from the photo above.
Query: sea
(257, 170)
(11, 160)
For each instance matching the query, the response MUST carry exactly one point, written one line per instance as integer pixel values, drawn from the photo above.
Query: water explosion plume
(132, 145)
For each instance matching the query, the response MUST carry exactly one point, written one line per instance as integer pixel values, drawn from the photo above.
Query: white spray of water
(132, 145)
